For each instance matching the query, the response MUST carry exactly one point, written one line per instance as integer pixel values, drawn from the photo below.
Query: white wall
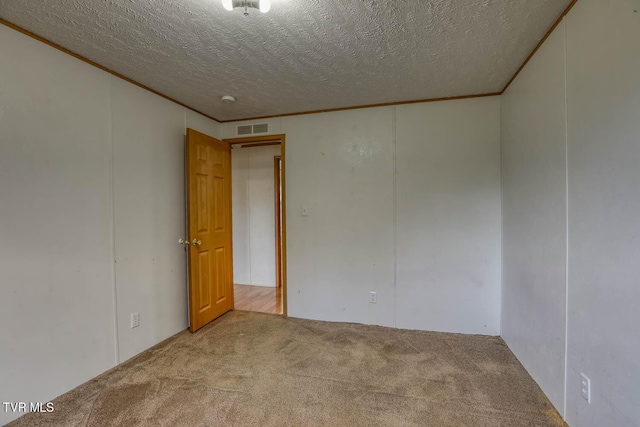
(371, 179)
(56, 290)
(91, 172)
(597, 50)
(603, 89)
(254, 225)
(534, 217)
(240, 216)
(341, 166)
(448, 216)
(149, 213)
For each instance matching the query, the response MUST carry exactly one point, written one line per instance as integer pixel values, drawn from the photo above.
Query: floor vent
(244, 130)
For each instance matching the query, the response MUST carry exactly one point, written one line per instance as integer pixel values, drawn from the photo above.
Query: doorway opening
(258, 200)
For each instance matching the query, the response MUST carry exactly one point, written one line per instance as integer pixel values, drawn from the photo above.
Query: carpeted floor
(251, 369)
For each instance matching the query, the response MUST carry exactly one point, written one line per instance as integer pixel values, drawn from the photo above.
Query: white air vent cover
(261, 128)
(253, 129)
(245, 130)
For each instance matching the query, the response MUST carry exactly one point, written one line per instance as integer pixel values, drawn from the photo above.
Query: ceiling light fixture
(262, 5)
(228, 99)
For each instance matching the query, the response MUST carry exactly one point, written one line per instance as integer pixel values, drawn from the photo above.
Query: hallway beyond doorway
(263, 299)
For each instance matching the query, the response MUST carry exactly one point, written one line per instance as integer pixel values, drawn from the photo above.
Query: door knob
(196, 242)
(183, 242)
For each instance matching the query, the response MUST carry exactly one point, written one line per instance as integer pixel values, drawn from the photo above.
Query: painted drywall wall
(90, 166)
(349, 168)
(56, 303)
(203, 124)
(448, 216)
(240, 216)
(149, 214)
(593, 58)
(340, 165)
(603, 89)
(253, 206)
(534, 217)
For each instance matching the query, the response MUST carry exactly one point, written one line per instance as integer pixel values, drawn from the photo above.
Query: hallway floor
(262, 299)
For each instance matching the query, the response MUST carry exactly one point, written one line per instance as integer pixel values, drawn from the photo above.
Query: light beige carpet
(250, 369)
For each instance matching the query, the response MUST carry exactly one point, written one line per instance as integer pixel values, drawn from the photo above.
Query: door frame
(265, 140)
(277, 184)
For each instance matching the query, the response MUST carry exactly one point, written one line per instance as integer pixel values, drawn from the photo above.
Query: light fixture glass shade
(265, 5)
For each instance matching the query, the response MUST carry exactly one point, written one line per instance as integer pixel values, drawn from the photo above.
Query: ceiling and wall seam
(539, 45)
(359, 107)
(95, 64)
(330, 110)
(452, 47)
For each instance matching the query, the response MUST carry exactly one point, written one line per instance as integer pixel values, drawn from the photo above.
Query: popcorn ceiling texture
(302, 55)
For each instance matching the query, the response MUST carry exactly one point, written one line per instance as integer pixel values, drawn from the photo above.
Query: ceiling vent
(244, 130)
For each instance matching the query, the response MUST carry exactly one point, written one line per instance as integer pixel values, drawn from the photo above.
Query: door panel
(204, 287)
(219, 218)
(221, 287)
(202, 222)
(209, 216)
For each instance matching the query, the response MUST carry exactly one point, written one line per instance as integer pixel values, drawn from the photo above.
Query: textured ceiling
(304, 54)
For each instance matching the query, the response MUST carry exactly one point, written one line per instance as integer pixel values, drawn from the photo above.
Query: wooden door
(209, 227)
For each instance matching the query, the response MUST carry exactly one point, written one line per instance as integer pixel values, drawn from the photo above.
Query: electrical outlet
(585, 387)
(373, 297)
(135, 320)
